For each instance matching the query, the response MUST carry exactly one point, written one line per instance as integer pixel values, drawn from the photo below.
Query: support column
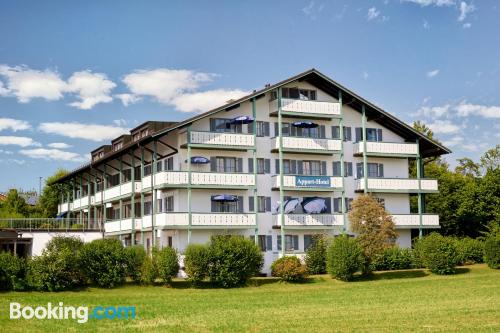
(120, 181)
(255, 201)
(142, 197)
(282, 195)
(89, 203)
(153, 197)
(80, 188)
(419, 177)
(95, 193)
(365, 161)
(342, 166)
(132, 199)
(190, 217)
(104, 186)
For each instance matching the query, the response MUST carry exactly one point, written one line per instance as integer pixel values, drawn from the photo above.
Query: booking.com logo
(81, 314)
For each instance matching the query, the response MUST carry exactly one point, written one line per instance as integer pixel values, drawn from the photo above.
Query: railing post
(280, 152)
(418, 163)
(142, 197)
(153, 197)
(365, 160)
(342, 167)
(255, 201)
(132, 199)
(190, 217)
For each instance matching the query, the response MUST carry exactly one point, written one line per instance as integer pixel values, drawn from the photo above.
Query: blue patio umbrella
(199, 160)
(224, 198)
(305, 124)
(62, 215)
(241, 120)
(314, 205)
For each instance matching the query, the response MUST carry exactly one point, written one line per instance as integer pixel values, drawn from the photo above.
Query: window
(375, 170)
(166, 204)
(147, 208)
(291, 242)
(224, 125)
(263, 165)
(307, 95)
(262, 128)
(263, 204)
(295, 93)
(265, 242)
(289, 167)
(308, 241)
(381, 201)
(147, 170)
(372, 134)
(312, 168)
(336, 133)
(347, 169)
(228, 207)
(337, 208)
(226, 164)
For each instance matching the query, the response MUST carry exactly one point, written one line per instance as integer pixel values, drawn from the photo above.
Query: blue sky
(73, 74)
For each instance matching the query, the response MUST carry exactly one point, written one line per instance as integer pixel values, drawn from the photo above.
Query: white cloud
(178, 88)
(91, 89)
(13, 124)
(120, 122)
(437, 3)
(365, 75)
(90, 132)
(443, 127)
(26, 84)
(466, 25)
(312, 11)
(52, 154)
(22, 141)
(128, 99)
(465, 9)
(426, 25)
(372, 14)
(59, 145)
(454, 141)
(432, 73)
(465, 109)
(13, 160)
(6, 152)
(434, 111)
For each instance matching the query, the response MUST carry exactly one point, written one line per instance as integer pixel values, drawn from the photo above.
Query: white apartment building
(277, 166)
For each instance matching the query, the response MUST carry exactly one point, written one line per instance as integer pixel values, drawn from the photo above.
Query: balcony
(180, 179)
(309, 109)
(387, 149)
(66, 206)
(399, 185)
(220, 140)
(412, 221)
(114, 226)
(307, 183)
(201, 220)
(317, 221)
(303, 145)
(116, 192)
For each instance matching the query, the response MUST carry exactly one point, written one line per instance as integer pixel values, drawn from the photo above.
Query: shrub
(167, 262)
(233, 260)
(56, 269)
(77, 226)
(470, 251)
(135, 256)
(344, 258)
(316, 255)
(104, 262)
(393, 258)
(289, 269)
(148, 271)
(438, 253)
(196, 262)
(12, 272)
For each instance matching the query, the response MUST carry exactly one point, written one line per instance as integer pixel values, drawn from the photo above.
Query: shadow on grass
(391, 275)
(462, 270)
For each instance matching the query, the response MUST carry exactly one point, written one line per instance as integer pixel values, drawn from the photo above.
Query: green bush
(470, 251)
(344, 258)
(77, 226)
(289, 269)
(12, 272)
(104, 262)
(167, 262)
(56, 269)
(438, 253)
(196, 261)
(316, 255)
(233, 260)
(148, 271)
(393, 258)
(492, 251)
(135, 256)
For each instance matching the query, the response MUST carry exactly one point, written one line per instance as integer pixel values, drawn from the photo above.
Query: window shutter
(336, 205)
(239, 128)
(268, 204)
(295, 242)
(358, 134)
(277, 166)
(293, 167)
(336, 169)
(323, 168)
(212, 125)
(328, 202)
(347, 134)
(276, 131)
(159, 206)
(250, 128)
(213, 164)
(322, 131)
(267, 165)
(266, 129)
(239, 165)
(240, 204)
(348, 169)
(359, 170)
(251, 206)
(293, 130)
(381, 170)
(279, 242)
(269, 243)
(214, 207)
(300, 168)
(379, 134)
(250, 165)
(335, 132)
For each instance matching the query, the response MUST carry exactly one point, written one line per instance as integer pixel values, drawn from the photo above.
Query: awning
(199, 160)
(314, 205)
(224, 198)
(241, 120)
(290, 206)
(305, 124)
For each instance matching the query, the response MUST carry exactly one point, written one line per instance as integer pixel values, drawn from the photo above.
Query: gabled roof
(428, 147)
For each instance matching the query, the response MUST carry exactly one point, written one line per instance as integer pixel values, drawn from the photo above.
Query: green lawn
(392, 301)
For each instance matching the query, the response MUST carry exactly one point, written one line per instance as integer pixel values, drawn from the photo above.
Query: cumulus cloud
(312, 11)
(178, 88)
(76, 130)
(22, 141)
(13, 124)
(454, 141)
(372, 14)
(26, 84)
(52, 154)
(444, 127)
(432, 73)
(128, 99)
(59, 145)
(465, 9)
(437, 3)
(465, 109)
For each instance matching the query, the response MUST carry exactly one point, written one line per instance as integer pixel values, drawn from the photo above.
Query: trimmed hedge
(289, 269)
(12, 272)
(470, 251)
(344, 258)
(316, 255)
(167, 262)
(196, 261)
(135, 256)
(492, 251)
(233, 260)
(393, 258)
(438, 253)
(104, 262)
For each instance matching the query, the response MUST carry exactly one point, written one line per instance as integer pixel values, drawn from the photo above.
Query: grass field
(392, 301)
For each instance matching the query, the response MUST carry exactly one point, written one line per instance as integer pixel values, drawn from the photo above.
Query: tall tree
(468, 167)
(51, 194)
(14, 206)
(491, 159)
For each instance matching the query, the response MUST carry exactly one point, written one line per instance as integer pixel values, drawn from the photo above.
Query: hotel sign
(312, 181)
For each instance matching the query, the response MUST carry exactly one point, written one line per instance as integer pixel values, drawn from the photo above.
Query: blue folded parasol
(305, 124)
(224, 198)
(199, 160)
(242, 120)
